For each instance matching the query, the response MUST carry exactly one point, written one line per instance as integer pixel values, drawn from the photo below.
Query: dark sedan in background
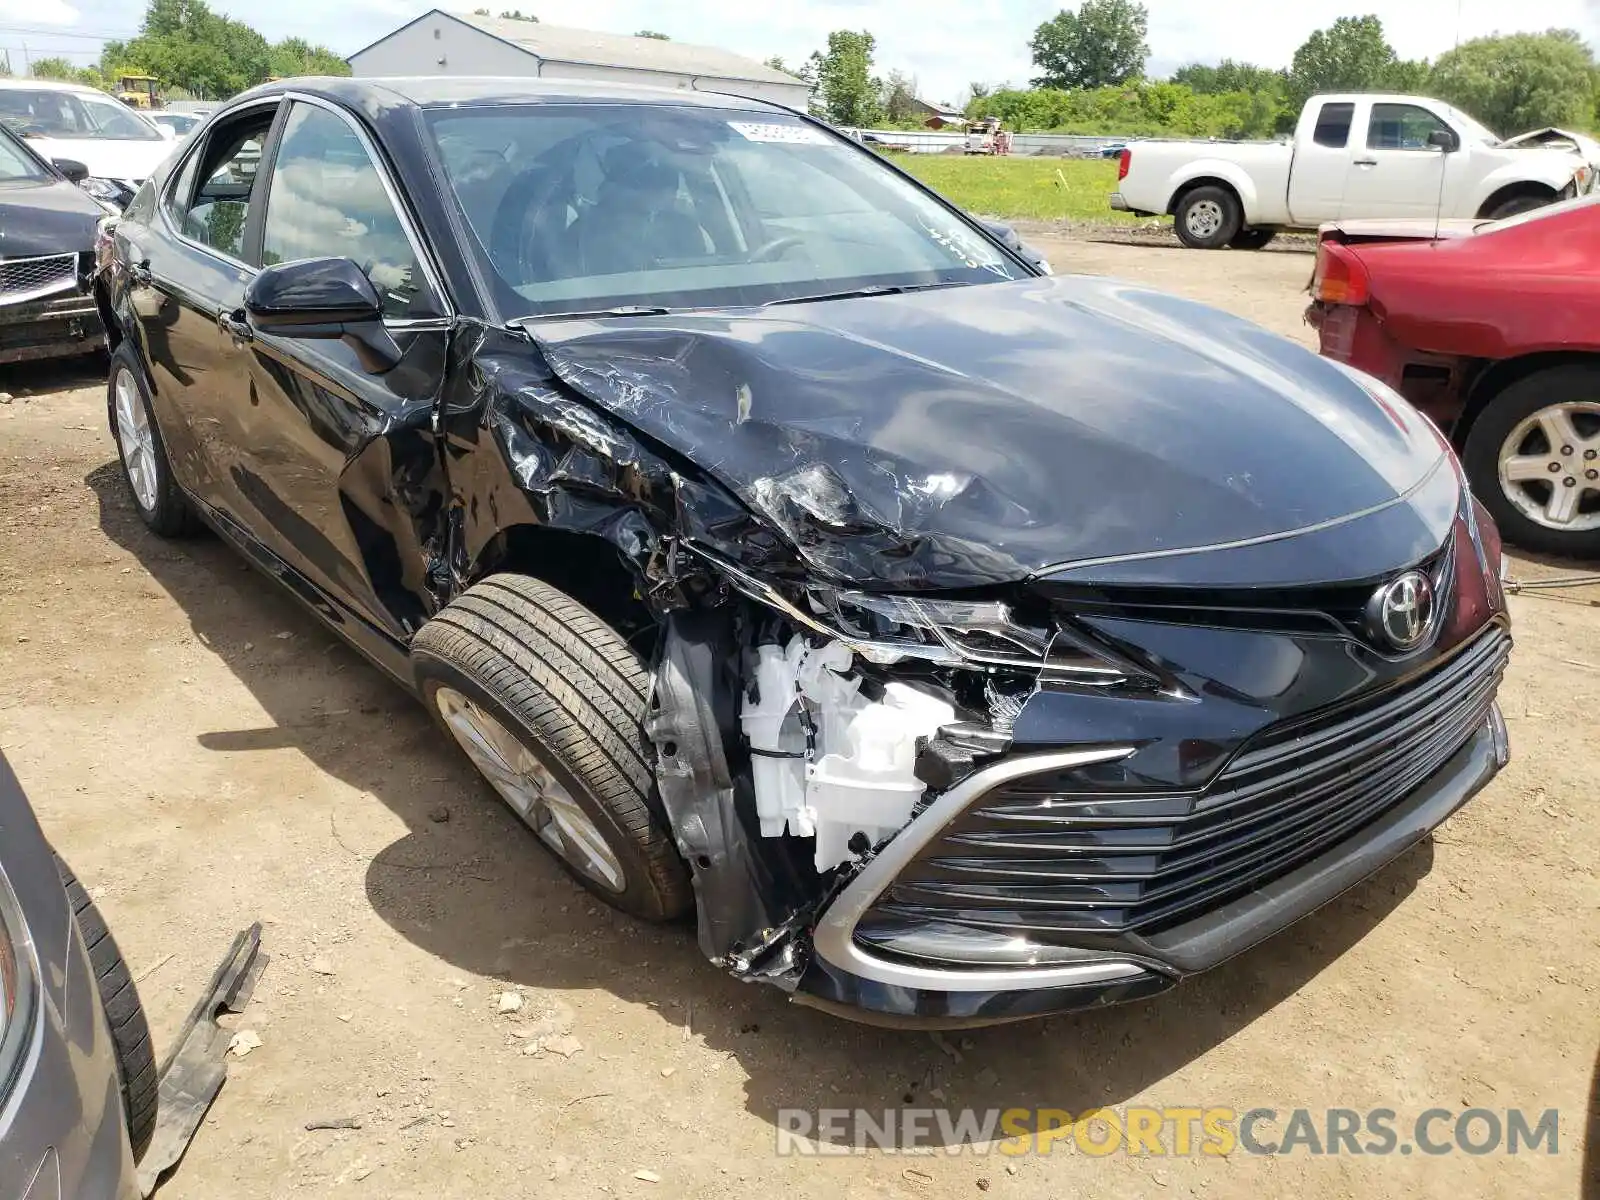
(964, 643)
(77, 1068)
(47, 239)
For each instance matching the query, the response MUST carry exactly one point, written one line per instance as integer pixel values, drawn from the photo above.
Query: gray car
(77, 1073)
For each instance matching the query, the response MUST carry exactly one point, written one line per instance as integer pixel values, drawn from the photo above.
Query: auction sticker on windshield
(757, 131)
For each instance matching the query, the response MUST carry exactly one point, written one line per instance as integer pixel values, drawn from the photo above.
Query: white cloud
(38, 12)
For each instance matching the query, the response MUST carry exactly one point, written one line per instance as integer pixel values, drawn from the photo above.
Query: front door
(341, 470)
(1393, 170)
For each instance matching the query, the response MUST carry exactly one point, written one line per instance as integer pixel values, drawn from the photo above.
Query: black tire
(169, 514)
(574, 694)
(1202, 236)
(1517, 205)
(1252, 239)
(130, 1033)
(1498, 420)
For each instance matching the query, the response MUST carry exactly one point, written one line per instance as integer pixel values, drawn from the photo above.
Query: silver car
(77, 1073)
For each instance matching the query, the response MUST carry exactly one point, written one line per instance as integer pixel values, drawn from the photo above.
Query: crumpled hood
(981, 434)
(39, 218)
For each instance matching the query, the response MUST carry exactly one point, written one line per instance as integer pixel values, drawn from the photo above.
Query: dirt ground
(205, 755)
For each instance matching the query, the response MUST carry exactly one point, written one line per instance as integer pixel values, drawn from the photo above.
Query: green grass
(1040, 188)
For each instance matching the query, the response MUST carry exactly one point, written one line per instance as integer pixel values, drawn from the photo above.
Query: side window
(327, 200)
(1401, 127)
(211, 198)
(1333, 125)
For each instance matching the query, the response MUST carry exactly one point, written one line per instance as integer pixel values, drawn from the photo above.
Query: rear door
(1321, 163)
(186, 265)
(1393, 170)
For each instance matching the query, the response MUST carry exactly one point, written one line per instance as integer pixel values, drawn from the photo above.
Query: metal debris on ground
(194, 1071)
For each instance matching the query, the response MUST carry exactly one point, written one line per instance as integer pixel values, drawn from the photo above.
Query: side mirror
(1007, 236)
(323, 298)
(1447, 140)
(71, 168)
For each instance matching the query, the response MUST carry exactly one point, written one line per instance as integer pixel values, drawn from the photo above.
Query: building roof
(555, 43)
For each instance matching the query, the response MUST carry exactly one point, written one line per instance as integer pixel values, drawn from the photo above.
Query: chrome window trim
(182, 164)
(419, 246)
(834, 936)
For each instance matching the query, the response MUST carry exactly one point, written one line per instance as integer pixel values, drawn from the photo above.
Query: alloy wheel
(1550, 467)
(135, 440)
(542, 802)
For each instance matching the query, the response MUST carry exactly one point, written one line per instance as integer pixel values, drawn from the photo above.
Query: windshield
(586, 207)
(58, 114)
(17, 164)
(1475, 131)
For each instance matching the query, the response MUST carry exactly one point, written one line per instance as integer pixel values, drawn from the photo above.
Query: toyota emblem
(1400, 612)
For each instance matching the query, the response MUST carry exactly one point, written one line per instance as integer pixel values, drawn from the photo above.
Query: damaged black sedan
(961, 642)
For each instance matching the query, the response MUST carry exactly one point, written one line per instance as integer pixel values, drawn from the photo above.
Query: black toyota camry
(961, 642)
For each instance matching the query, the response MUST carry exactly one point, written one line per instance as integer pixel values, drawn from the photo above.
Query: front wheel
(1208, 218)
(1533, 456)
(548, 702)
(1518, 205)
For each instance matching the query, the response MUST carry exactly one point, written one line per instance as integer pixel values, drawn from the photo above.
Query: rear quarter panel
(1524, 289)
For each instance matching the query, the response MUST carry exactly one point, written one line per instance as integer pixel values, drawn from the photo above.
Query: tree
(899, 98)
(1351, 55)
(184, 44)
(1099, 45)
(54, 68)
(652, 35)
(847, 92)
(1229, 76)
(777, 64)
(1521, 81)
(516, 14)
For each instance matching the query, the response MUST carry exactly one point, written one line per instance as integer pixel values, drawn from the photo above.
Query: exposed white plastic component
(856, 771)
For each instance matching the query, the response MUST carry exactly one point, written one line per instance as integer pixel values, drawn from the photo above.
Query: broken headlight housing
(977, 635)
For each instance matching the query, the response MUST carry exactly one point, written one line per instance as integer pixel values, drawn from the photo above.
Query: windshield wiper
(622, 310)
(880, 289)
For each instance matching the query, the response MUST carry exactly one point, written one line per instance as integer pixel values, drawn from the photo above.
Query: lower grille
(25, 279)
(1026, 858)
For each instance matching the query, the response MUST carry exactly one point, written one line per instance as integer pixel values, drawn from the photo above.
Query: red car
(1491, 328)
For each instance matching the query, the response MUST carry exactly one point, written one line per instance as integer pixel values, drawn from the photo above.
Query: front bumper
(59, 327)
(848, 977)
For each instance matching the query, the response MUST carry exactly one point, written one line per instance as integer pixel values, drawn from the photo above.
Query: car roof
(48, 85)
(439, 91)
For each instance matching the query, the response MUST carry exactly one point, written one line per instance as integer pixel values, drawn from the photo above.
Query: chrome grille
(24, 279)
(1027, 858)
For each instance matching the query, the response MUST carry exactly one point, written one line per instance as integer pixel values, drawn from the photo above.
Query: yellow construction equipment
(139, 91)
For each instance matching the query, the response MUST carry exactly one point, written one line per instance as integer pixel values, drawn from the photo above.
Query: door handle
(1366, 162)
(236, 325)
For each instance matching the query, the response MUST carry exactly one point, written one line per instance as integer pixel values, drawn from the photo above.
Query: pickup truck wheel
(1533, 456)
(1207, 218)
(1517, 205)
(548, 702)
(1252, 239)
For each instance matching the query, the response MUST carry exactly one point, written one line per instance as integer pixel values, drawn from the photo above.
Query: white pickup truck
(1352, 157)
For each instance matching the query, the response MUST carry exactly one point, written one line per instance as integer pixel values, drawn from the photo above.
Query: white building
(441, 43)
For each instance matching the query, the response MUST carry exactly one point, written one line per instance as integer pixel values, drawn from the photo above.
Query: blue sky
(945, 44)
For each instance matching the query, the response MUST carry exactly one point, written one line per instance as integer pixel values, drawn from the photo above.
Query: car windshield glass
(17, 164)
(59, 114)
(1475, 130)
(587, 207)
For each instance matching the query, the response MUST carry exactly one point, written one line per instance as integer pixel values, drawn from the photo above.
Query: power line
(99, 36)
